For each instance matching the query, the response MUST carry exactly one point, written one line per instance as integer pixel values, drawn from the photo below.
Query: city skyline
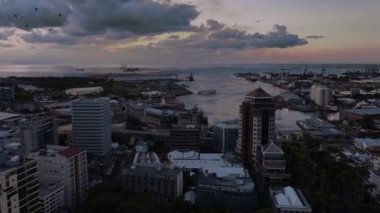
(179, 32)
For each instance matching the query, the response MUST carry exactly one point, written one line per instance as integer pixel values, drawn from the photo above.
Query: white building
(52, 197)
(320, 95)
(66, 165)
(92, 122)
(289, 199)
(84, 91)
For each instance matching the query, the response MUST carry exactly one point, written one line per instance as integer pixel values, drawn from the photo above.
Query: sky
(188, 32)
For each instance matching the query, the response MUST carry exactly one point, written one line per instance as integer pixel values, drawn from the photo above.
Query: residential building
(320, 95)
(185, 138)
(67, 166)
(257, 125)
(37, 132)
(52, 197)
(92, 120)
(288, 199)
(225, 135)
(19, 184)
(147, 175)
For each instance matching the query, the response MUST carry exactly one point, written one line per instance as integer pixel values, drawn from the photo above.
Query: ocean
(230, 90)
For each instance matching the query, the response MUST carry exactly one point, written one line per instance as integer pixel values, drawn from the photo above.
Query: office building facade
(91, 123)
(185, 138)
(37, 132)
(226, 135)
(256, 127)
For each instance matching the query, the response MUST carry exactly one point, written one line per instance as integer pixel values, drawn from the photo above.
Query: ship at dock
(207, 92)
(125, 68)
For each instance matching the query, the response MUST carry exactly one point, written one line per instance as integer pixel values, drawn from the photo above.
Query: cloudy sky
(185, 32)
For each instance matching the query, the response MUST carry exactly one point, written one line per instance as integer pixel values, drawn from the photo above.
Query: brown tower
(257, 124)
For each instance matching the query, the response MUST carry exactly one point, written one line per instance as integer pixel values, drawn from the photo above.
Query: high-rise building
(66, 166)
(92, 122)
(19, 185)
(257, 125)
(37, 132)
(320, 95)
(225, 135)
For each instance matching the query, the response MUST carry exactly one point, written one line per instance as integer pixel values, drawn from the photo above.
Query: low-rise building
(288, 199)
(84, 91)
(273, 166)
(147, 175)
(231, 193)
(320, 129)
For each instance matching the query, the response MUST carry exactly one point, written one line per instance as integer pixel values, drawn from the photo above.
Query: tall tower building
(257, 124)
(91, 120)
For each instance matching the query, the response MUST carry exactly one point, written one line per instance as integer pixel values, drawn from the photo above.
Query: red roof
(69, 152)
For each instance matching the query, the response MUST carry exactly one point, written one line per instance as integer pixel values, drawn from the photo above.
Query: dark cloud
(114, 19)
(6, 33)
(47, 36)
(30, 14)
(215, 35)
(315, 37)
(138, 17)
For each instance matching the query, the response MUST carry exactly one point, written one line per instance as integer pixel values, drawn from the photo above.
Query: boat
(124, 68)
(80, 69)
(191, 77)
(207, 92)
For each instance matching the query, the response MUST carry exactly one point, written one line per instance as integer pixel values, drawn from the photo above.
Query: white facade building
(66, 165)
(52, 197)
(320, 95)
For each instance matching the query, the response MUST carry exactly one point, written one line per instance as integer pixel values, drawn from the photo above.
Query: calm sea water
(224, 105)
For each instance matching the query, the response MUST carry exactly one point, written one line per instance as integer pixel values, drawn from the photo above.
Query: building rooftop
(211, 163)
(272, 148)
(234, 124)
(244, 184)
(69, 152)
(7, 115)
(259, 93)
(288, 197)
(48, 188)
